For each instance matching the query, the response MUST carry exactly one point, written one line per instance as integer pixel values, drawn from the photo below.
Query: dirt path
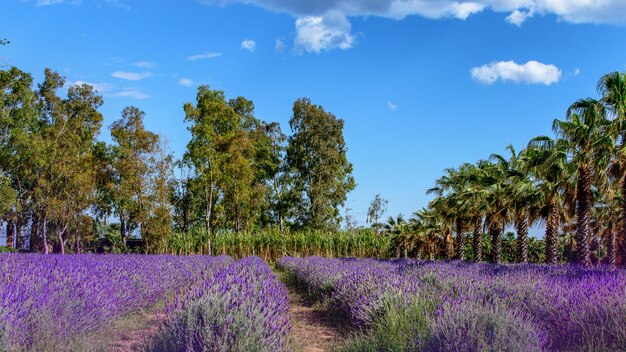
(315, 328)
(130, 333)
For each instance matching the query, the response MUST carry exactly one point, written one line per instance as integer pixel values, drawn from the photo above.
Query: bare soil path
(131, 332)
(315, 328)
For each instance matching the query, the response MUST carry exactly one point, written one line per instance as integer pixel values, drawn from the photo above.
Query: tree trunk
(460, 240)
(478, 240)
(123, 226)
(34, 234)
(10, 233)
(583, 234)
(611, 247)
(521, 224)
(207, 215)
(60, 232)
(552, 245)
(61, 243)
(449, 246)
(622, 240)
(18, 234)
(496, 243)
(44, 238)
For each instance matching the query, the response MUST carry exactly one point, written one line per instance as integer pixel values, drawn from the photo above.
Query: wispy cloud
(131, 76)
(532, 72)
(185, 82)
(279, 46)
(248, 44)
(99, 87)
(391, 106)
(131, 93)
(144, 64)
(207, 55)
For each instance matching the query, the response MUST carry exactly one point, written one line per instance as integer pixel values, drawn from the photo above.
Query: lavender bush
(47, 301)
(478, 307)
(242, 307)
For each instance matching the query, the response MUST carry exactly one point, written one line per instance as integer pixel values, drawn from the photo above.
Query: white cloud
(279, 46)
(532, 72)
(248, 44)
(131, 93)
(144, 64)
(518, 17)
(131, 76)
(207, 55)
(185, 82)
(391, 106)
(315, 34)
(99, 87)
(308, 12)
(576, 71)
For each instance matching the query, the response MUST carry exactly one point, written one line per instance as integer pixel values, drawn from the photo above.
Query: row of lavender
(48, 301)
(475, 307)
(242, 307)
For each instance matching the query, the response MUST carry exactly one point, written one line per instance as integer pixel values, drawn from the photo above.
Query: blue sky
(422, 84)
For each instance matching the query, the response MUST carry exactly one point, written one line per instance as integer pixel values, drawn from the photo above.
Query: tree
(451, 188)
(159, 222)
(21, 150)
(522, 194)
(546, 162)
(133, 146)
(585, 132)
(322, 172)
(376, 210)
(612, 87)
(71, 127)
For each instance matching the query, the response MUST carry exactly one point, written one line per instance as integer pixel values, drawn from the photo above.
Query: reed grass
(271, 244)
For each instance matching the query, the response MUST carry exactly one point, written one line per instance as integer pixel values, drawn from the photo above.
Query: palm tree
(546, 162)
(474, 204)
(444, 215)
(612, 87)
(607, 216)
(522, 194)
(398, 229)
(451, 187)
(495, 198)
(585, 132)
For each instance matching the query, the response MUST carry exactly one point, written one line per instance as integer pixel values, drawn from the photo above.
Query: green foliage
(272, 245)
(398, 328)
(317, 155)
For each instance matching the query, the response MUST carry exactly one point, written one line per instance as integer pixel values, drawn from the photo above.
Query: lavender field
(410, 305)
(203, 303)
(54, 303)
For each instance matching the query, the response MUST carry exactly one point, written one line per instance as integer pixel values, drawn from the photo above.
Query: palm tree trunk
(460, 240)
(478, 240)
(449, 241)
(521, 223)
(496, 243)
(583, 233)
(552, 245)
(621, 242)
(611, 247)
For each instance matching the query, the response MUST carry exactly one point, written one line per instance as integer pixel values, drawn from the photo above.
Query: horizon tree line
(574, 183)
(61, 188)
